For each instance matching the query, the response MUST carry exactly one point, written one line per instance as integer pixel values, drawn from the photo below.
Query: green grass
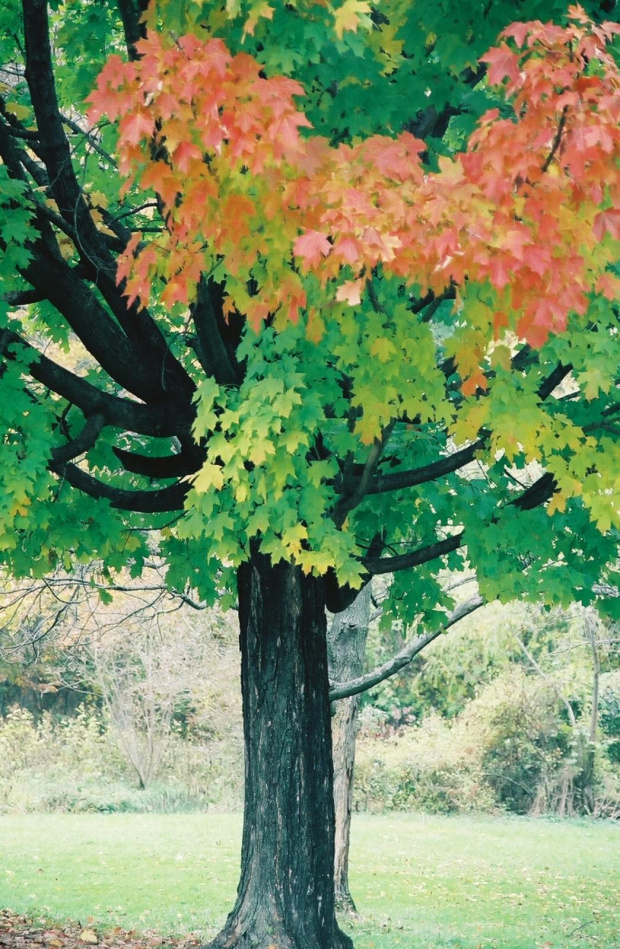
(420, 882)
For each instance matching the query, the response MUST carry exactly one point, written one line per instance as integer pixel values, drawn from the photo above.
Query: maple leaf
(262, 10)
(518, 32)
(607, 221)
(474, 382)
(350, 292)
(609, 286)
(210, 477)
(349, 249)
(383, 349)
(347, 17)
(159, 176)
(135, 126)
(184, 154)
(312, 246)
(503, 62)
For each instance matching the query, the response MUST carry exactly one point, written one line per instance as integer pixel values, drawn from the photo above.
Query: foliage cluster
(299, 440)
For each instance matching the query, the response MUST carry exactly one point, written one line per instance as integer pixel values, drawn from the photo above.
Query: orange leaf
(350, 292)
(183, 155)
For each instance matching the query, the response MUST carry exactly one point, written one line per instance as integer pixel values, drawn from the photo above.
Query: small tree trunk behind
(285, 897)
(346, 649)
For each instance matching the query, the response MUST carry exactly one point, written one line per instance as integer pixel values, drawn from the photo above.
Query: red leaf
(312, 246)
(136, 126)
(502, 62)
(607, 221)
(518, 32)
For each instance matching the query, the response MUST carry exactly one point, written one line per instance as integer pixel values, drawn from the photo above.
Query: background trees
(310, 371)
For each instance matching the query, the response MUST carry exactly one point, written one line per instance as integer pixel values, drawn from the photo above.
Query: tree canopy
(335, 290)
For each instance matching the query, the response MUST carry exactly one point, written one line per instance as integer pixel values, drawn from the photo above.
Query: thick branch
(446, 465)
(341, 690)
(22, 297)
(54, 147)
(168, 466)
(553, 380)
(425, 473)
(208, 344)
(162, 420)
(377, 565)
(538, 493)
(158, 501)
(82, 442)
(130, 15)
(88, 319)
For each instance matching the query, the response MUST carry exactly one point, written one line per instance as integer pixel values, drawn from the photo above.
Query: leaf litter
(20, 932)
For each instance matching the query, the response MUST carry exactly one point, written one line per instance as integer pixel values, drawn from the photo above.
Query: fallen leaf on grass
(17, 932)
(87, 935)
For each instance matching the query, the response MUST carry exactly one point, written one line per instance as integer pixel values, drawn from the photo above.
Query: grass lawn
(420, 882)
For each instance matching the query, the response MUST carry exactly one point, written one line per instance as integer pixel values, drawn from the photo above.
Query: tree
(346, 649)
(391, 346)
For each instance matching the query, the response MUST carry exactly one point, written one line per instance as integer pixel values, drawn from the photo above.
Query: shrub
(429, 767)
(609, 704)
(74, 765)
(510, 749)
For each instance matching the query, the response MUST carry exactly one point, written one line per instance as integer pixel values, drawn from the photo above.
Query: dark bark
(155, 501)
(159, 373)
(286, 891)
(407, 479)
(346, 649)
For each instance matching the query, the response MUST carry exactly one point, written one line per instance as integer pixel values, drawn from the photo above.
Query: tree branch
(90, 138)
(377, 565)
(161, 500)
(538, 493)
(82, 442)
(131, 25)
(91, 323)
(160, 421)
(341, 690)
(208, 344)
(167, 466)
(557, 140)
(150, 346)
(350, 500)
(425, 473)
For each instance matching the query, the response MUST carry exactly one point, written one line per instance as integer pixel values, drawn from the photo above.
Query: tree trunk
(346, 649)
(285, 898)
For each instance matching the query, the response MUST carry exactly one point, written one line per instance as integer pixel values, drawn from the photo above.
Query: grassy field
(420, 882)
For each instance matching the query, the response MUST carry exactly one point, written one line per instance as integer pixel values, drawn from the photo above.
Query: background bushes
(515, 711)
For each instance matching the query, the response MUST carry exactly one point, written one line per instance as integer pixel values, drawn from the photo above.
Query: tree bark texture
(285, 898)
(346, 648)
